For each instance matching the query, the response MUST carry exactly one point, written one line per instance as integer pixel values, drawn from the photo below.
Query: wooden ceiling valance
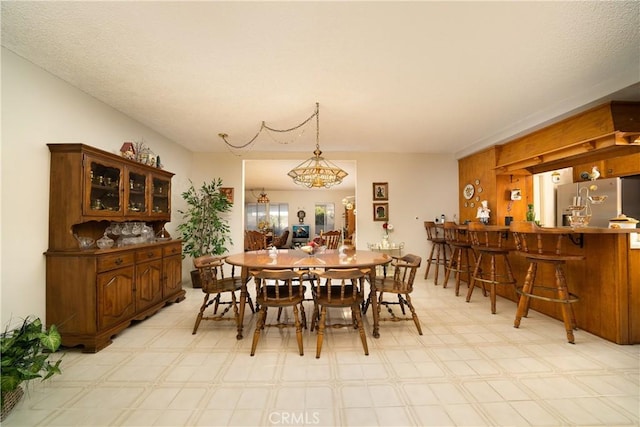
(609, 130)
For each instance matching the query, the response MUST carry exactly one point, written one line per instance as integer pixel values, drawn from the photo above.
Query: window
(256, 216)
(325, 217)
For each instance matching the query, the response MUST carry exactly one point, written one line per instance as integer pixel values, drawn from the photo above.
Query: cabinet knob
(149, 254)
(118, 261)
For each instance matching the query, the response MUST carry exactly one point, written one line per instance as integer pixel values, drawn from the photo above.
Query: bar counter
(607, 282)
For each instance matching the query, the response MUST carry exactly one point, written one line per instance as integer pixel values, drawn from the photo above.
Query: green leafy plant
(25, 350)
(205, 228)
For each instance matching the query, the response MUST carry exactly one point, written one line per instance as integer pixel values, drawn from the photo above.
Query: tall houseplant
(205, 229)
(25, 350)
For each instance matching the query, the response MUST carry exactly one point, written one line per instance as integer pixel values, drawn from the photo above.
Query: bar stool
(462, 255)
(488, 243)
(544, 245)
(438, 254)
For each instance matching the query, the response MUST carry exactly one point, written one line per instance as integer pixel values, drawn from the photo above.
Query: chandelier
(263, 199)
(316, 172)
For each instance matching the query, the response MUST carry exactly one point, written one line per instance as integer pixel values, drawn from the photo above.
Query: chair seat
(287, 296)
(228, 284)
(393, 286)
(335, 300)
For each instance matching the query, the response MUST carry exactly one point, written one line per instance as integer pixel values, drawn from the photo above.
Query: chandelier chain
(264, 126)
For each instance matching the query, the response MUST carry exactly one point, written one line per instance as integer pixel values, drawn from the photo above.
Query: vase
(385, 241)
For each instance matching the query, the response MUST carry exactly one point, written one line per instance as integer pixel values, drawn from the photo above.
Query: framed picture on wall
(380, 191)
(381, 211)
(227, 191)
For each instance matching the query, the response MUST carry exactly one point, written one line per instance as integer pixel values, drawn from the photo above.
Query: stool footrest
(572, 297)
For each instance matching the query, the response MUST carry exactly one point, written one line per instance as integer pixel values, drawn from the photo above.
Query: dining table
(297, 259)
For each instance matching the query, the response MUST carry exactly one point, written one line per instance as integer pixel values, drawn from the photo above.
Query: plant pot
(195, 279)
(9, 400)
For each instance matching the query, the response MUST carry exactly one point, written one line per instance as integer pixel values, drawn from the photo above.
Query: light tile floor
(470, 368)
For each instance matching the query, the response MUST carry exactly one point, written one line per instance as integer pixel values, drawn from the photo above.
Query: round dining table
(297, 259)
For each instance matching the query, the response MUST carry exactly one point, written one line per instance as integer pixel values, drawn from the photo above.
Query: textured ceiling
(389, 76)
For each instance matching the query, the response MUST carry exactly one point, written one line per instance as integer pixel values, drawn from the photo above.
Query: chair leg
(355, 312)
(426, 273)
(321, 326)
(476, 271)
(494, 277)
(200, 314)
(298, 328)
(567, 311)
(523, 304)
(262, 315)
(414, 315)
(449, 267)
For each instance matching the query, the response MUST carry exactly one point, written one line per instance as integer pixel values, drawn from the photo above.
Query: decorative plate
(468, 191)
(477, 181)
(480, 189)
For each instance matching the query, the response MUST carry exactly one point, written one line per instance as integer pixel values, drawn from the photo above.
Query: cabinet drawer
(148, 254)
(109, 262)
(173, 249)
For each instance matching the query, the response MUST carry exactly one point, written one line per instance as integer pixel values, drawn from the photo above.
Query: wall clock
(468, 191)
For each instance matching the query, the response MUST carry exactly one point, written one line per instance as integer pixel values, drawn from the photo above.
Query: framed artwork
(381, 211)
(227, 191)
(380, 191)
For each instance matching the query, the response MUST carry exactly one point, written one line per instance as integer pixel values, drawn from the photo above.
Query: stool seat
(488, 243)
(544, 246)
(438, 254)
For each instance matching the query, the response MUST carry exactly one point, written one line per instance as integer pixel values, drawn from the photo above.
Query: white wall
(421, 187)
(38, 108)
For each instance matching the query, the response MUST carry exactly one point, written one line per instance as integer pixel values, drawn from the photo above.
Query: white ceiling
(446, 77)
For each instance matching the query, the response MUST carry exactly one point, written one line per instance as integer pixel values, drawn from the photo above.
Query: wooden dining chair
(332, 239)
(214, 284)
(400, 283)
(279, 288)
(342, 288)
(254, 240)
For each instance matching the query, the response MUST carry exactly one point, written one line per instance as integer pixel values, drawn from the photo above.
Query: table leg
(373, 302)
(244, 275)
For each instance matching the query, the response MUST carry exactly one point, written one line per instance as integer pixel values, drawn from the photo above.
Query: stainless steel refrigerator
(623, 196)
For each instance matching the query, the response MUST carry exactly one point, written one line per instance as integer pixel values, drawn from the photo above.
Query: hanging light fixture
(263, 199)
(317, 172)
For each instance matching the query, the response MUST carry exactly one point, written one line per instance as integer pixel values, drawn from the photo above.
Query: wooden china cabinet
(93, 294)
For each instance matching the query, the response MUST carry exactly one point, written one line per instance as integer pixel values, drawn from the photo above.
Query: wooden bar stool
(463, 257)
(489, 243)
(438, 254)
(544, 245)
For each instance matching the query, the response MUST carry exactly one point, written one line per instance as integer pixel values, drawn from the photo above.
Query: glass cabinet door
(160, 196)
(102, 188)
(136, 190)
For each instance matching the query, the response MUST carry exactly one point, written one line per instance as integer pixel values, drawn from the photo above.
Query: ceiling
(429, 77)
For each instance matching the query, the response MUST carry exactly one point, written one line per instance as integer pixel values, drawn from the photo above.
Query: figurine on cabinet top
(128, 151)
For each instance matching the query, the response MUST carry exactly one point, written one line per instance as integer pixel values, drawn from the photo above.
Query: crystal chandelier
(317, 172)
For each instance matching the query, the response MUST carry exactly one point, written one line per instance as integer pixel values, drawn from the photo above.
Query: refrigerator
(623, 196)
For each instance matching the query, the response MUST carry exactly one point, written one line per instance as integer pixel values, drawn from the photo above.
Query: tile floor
(470, 368)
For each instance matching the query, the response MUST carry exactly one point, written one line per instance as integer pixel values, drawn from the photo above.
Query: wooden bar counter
(607, 282)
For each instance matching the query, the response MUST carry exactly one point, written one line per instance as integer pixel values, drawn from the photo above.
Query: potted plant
(205, 229)
(25, 350)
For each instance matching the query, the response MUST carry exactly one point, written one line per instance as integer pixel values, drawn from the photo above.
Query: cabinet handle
(118, 261)
(149, 254)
